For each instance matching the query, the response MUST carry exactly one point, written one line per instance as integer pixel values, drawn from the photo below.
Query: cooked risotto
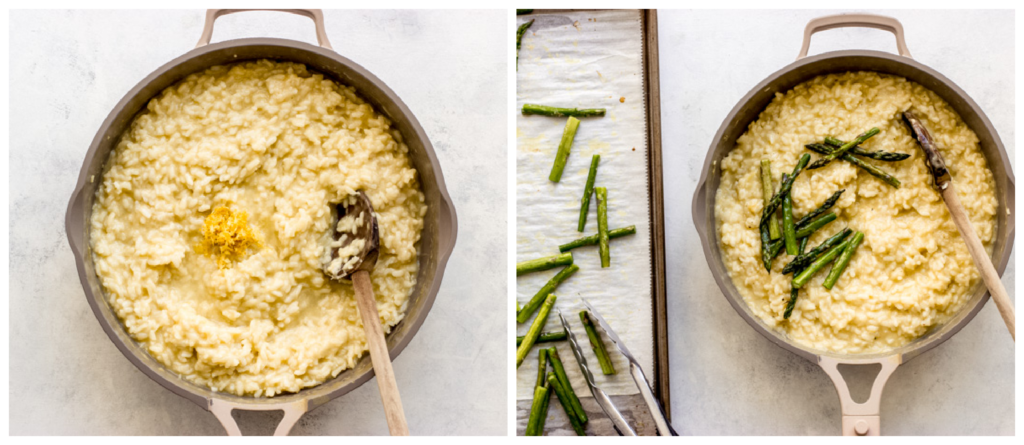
(281, 144)
(913, 270)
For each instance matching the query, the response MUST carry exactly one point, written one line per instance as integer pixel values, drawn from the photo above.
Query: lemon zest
(227, 235)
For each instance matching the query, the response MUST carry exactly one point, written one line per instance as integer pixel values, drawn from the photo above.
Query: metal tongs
(618, 422)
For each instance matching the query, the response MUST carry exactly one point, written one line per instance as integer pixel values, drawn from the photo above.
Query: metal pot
(858, 418)
(436, 243)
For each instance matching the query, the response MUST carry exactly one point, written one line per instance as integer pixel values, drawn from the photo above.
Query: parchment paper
(587, 60)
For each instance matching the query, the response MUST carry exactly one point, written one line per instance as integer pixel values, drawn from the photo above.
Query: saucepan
(858, 418)
(436, 243)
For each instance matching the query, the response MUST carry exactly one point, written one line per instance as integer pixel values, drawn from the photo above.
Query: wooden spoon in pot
(944, 183)
(354, 248)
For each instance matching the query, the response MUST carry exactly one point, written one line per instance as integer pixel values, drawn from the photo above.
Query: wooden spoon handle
(981, 258)
(379, 354)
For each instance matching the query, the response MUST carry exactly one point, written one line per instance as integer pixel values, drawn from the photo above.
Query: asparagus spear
(800, 164)
(545, 110)
(807, 229)
(563, 149)
(788, 227)
(844, 259)
(769, 209)
(876, 155)
(801, 261)
(871, 169)
(602, 225)
(593, 239)
(544, 411)
(544, 291)
(534, 332)
(540, 264)
(519, 39)
(828, 204)
(794, 292)
(523, 11)
(767, 190)
(805, 275)
(784, 189)
(597, 344)
(824, 160)
(563, 398)
(587, 191)
(546, 337)
(768, 252)
(775, 247)
(542, 368)
(556, 364)
(537, 411)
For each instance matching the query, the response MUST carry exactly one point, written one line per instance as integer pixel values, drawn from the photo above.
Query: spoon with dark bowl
(353, 248)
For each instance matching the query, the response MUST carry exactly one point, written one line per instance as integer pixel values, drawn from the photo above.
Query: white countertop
(728, 379)
(69, 69)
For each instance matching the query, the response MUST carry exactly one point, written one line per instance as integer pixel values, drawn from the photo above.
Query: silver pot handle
(315, 14)
(222, 409)
(860, 419)
(858, 21)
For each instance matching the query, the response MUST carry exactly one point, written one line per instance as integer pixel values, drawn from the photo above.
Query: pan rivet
(861, 427)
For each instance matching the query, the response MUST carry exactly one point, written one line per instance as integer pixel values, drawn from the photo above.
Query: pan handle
(699, 207)
(75, 211)
(315, 14)
(855, 21)
(860, 419)
(1011, 197)
(222, 409)
(450, 220)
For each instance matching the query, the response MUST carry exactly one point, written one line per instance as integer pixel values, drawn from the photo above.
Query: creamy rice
(282, 144)
(913, 270)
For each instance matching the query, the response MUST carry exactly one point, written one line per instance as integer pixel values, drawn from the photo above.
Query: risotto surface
(282, 144)
(913, 270)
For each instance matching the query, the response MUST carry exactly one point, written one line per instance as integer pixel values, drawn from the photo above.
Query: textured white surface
(71, 67)
(587, 60)
(728, 379)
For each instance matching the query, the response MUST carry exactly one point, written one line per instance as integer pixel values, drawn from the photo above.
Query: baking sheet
(586, 59)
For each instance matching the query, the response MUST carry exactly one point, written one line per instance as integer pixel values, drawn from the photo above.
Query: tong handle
(618, 422)
(664, 428)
